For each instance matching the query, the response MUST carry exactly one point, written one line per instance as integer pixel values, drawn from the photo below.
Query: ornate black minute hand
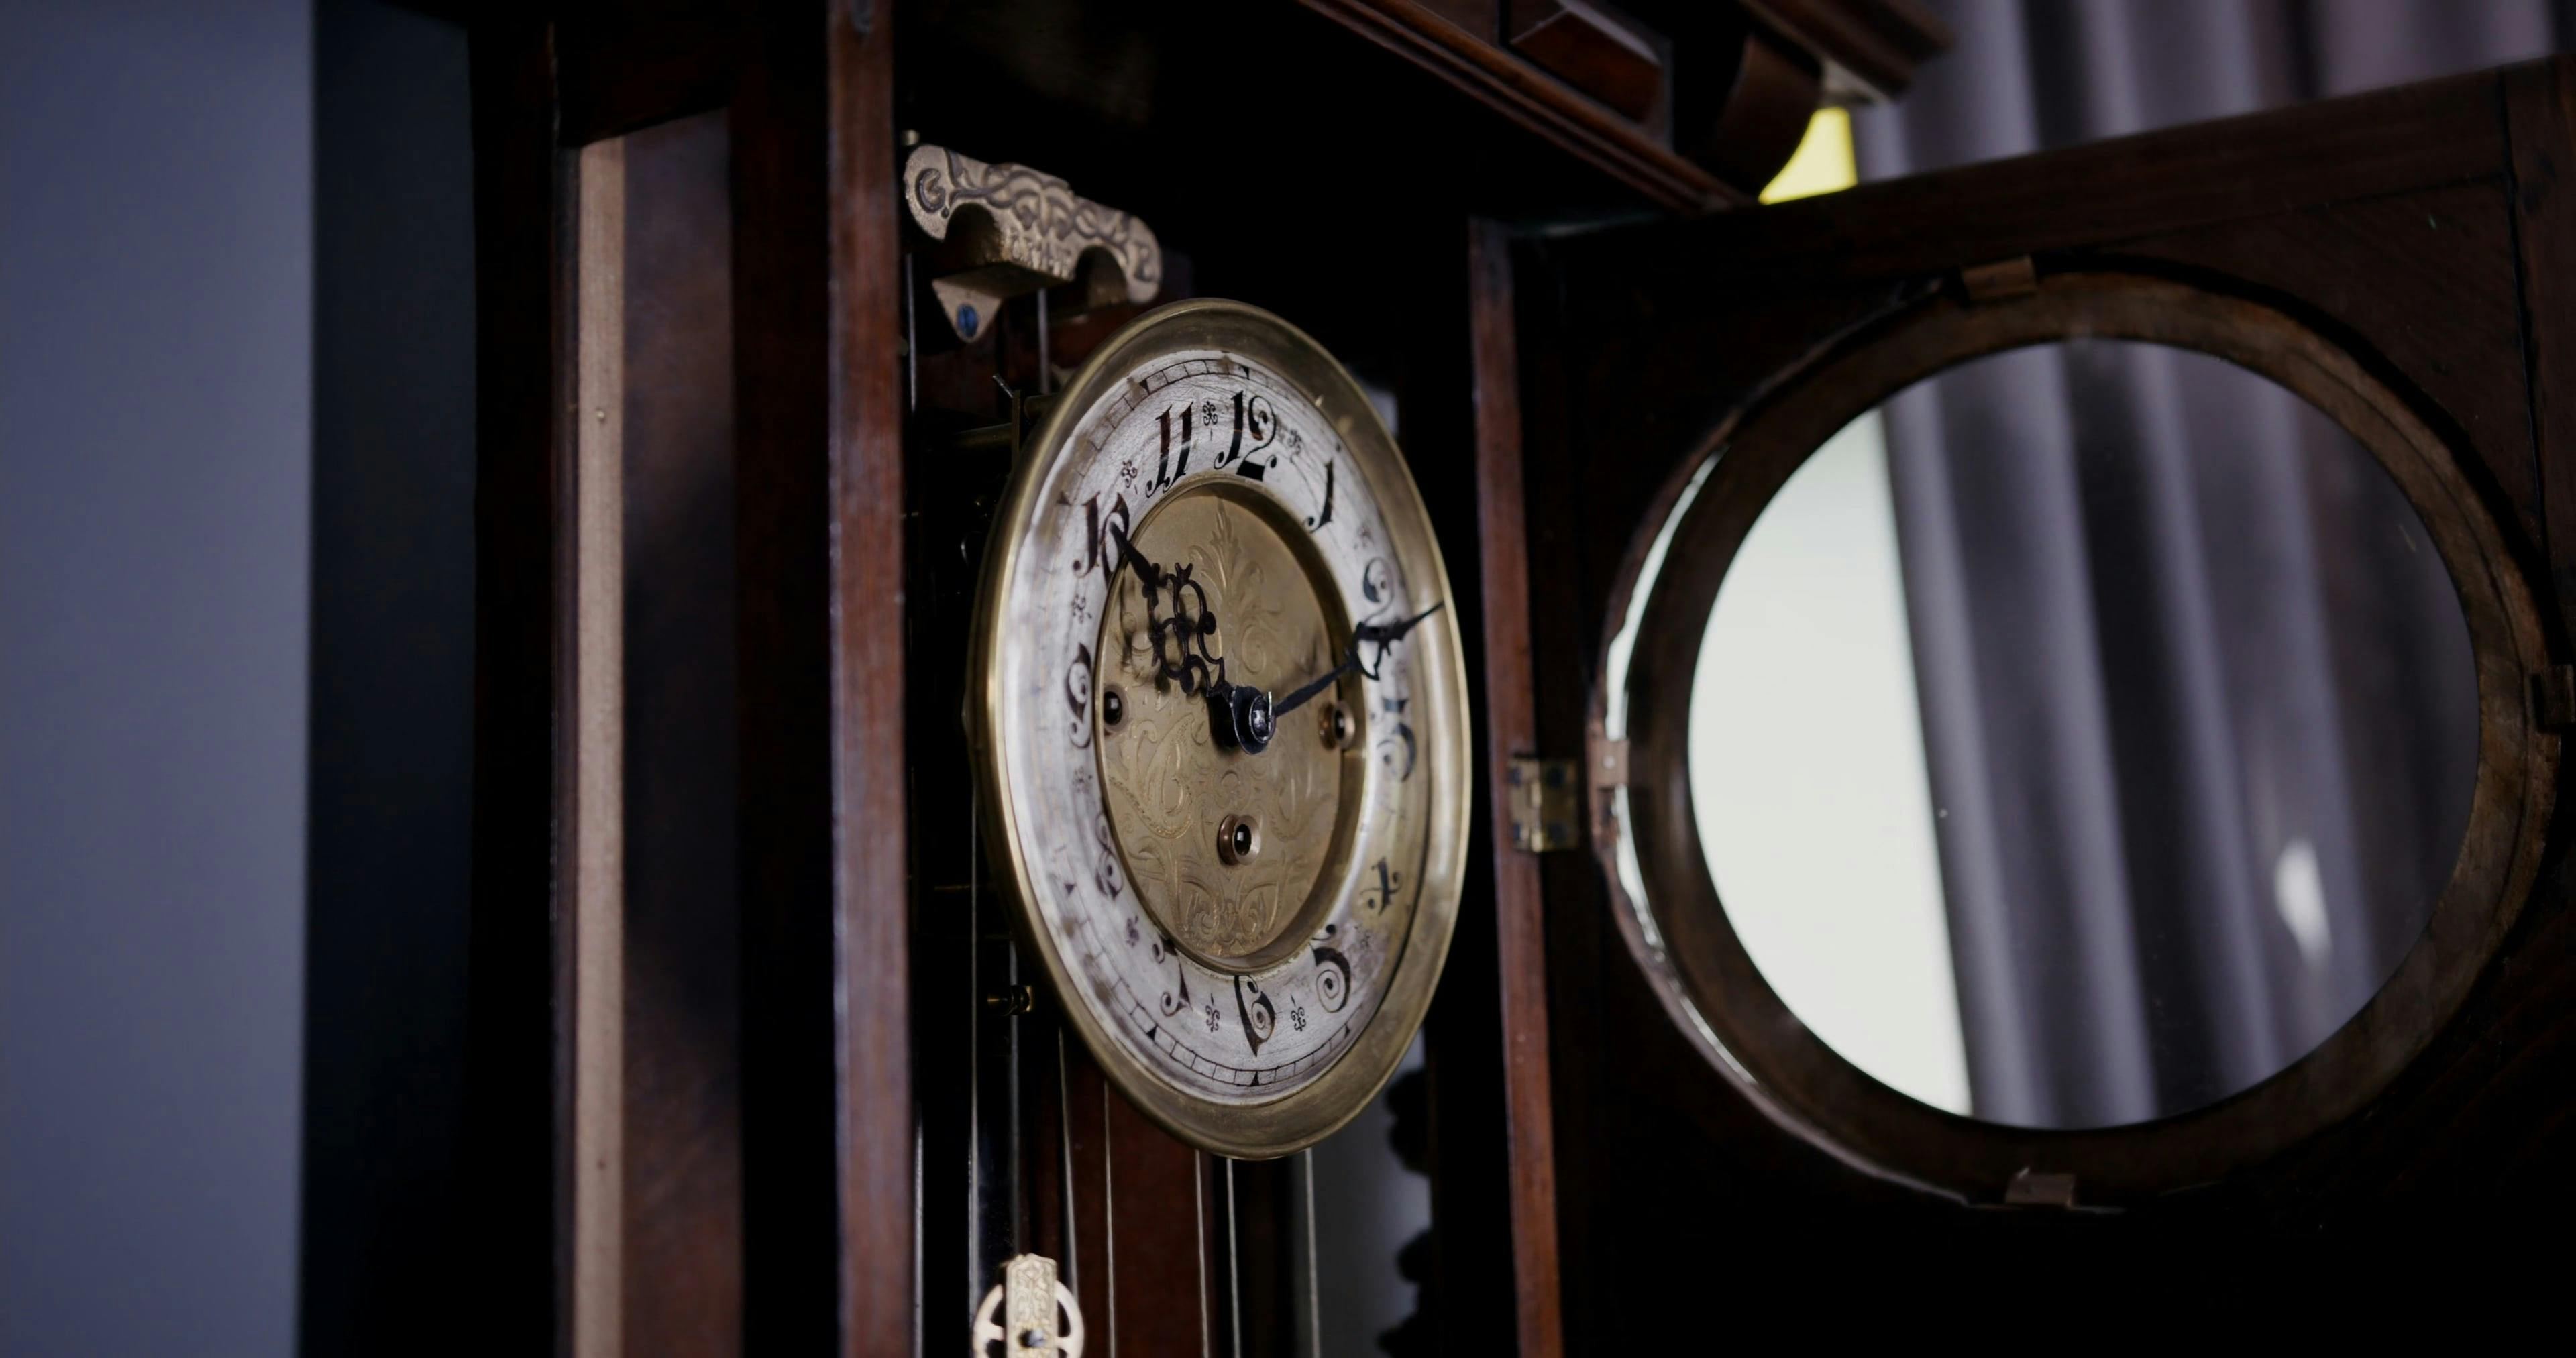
(1385, 634)
(1147, 572)
(1380, 635)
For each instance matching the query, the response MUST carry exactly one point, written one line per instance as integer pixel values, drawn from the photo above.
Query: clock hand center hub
(1241, 717)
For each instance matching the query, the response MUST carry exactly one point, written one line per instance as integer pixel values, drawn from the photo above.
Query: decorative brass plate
(1008, 230)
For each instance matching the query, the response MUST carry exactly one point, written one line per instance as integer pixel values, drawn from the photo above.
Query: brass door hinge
(1544, 810)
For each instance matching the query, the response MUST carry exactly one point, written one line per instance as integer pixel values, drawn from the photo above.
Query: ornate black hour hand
(1380, 635)
(1189, 629)
(1147, 573)
(1238, 714)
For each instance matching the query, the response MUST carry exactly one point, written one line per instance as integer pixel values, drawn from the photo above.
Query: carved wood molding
(1796, 53)
(1535, 100)
(1869, 48)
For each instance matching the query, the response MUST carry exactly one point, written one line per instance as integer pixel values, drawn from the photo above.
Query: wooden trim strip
(1879, 42)
(2097, 195)
(826, 1070)
(1535, 100)
(871, 869)
(1511, 728)
(2540, 119)
(597, 869)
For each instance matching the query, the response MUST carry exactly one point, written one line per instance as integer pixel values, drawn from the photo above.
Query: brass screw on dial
(1238, 838)
(1340, 727)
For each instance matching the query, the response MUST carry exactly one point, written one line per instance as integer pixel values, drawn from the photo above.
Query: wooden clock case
(837, 1109)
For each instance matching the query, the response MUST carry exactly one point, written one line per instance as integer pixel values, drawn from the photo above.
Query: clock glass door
(2066, 688)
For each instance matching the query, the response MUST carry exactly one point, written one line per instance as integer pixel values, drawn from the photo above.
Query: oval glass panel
(2084, 735)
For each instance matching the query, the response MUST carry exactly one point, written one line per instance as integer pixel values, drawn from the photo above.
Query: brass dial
(1222, 727)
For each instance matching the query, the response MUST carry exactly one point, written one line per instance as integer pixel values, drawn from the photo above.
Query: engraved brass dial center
(1225, 844)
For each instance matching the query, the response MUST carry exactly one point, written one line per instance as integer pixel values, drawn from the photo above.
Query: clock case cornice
(1576, 111)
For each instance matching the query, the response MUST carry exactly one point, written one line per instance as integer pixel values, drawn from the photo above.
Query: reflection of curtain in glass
(2173, 669)
(2174, 631)
(2018, 748)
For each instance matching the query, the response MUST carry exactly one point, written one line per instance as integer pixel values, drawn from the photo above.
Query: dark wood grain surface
(2411, 137)
(865, 458)
(1160, 1282)
(2424, 280)
(1536, 101)
(1682, 102)
(2540, 114)
(1511, 729)
(1615, 61)
(682, 1200)
(827, 1125)
(1768, 107)
(1878, 43)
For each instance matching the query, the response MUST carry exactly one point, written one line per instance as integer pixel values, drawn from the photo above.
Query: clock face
(1223, 727)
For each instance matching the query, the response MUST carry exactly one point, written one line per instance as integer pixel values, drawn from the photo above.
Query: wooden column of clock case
(772, 1210)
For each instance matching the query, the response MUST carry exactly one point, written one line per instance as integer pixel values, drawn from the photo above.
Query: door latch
(1023, 1311)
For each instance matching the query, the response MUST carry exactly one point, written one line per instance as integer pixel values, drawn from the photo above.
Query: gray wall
(156, 269)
